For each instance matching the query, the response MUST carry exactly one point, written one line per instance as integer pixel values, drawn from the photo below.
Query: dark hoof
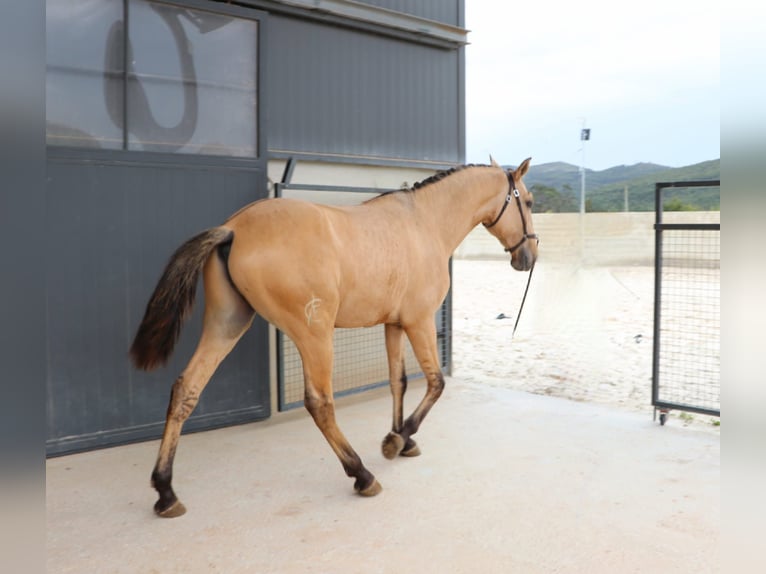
(392, 445)
(366, 485)
(173, 511)
(371, 490)
(410, 449)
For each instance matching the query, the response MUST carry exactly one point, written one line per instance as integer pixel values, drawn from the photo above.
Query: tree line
(551, 200)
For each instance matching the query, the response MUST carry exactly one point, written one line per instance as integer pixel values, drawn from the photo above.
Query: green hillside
(559, 175)
(557, 187)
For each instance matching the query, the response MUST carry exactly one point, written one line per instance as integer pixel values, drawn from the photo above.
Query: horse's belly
(370, 298)
(366, 309)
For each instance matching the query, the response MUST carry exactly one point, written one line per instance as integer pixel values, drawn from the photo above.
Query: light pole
(584, 137)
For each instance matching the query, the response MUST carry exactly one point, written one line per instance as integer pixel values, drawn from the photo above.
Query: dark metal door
(112, 225)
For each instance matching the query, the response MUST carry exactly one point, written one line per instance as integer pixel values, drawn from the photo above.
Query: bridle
(513, 193)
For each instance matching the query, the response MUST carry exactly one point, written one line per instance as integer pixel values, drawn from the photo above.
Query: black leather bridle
(513, 193)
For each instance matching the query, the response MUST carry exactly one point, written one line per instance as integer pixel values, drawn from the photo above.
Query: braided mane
(429, 180)
(439, 176)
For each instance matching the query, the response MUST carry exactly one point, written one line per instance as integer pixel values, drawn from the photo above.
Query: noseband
(514, 193)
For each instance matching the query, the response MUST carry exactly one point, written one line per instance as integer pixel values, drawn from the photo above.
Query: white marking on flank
(311, 309)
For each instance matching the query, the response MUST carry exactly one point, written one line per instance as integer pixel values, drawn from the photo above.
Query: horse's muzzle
(522, 258)
(522, 262)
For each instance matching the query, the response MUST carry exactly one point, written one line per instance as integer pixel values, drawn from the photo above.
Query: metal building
(163, 118)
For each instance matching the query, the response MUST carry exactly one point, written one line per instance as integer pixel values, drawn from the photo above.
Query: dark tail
(173, 299)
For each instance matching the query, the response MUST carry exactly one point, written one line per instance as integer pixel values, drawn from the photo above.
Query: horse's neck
(452, 207)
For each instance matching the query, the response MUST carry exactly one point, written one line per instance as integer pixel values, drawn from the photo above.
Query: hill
(560, 174)
(557, 187)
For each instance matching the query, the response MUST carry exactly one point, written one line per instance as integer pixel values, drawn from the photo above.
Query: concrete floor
(507, 482)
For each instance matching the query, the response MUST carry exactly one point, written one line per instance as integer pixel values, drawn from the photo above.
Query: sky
(643, 77)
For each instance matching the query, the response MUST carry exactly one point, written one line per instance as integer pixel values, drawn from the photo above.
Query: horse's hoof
(371, 490)
(392, 445)
(410, 449)
(173, 511)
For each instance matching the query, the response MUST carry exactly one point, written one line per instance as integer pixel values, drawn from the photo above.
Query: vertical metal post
(584, 137)
(125, 79)
(287, 176)
(582, 182)
(657, 292)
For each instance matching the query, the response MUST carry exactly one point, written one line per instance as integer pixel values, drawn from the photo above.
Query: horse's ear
(521, 171)
(492, 161)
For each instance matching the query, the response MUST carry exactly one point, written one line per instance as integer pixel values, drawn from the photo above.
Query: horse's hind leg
(317, 355)
(393, 444)
(227, 317)
(423, 339)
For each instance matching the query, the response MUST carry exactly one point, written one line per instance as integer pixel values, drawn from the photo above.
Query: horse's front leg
(317, 356)
(398, 380)
(423, 339)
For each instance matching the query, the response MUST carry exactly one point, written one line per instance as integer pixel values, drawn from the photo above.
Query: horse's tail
(173, 299)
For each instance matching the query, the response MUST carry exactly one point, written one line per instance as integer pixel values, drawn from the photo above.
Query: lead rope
(518, 315)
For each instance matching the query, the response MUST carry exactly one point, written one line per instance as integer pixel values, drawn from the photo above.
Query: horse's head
(515, 229)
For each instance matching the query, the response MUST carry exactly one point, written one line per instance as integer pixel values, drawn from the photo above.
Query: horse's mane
(429, 180)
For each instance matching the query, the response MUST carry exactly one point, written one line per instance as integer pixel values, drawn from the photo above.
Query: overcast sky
(643, 77)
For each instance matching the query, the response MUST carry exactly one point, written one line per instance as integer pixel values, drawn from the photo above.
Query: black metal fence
(686, 370)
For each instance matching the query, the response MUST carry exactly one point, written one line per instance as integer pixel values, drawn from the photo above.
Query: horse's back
(303, 230)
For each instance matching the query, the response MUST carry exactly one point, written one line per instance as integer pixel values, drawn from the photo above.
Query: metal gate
(686, 369)
(360, 361)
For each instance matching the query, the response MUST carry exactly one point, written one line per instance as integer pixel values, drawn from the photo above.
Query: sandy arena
(585, 333)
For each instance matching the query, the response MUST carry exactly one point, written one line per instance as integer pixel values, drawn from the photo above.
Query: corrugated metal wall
(336, 92)
(447, 11)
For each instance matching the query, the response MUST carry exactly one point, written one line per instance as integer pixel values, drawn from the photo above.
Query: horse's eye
(530, 203)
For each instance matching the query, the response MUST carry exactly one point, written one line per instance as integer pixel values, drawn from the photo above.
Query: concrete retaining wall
(594, 239)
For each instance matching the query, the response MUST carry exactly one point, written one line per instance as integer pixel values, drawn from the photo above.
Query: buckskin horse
(309, 268)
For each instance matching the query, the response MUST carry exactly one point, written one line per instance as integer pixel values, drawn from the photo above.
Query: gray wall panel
(447, 11)
(339, 91)
(111, 229)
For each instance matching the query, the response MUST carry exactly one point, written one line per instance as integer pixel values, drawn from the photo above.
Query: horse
(309, 268)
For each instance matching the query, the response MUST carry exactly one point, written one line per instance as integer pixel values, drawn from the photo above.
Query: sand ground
(585, 333)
